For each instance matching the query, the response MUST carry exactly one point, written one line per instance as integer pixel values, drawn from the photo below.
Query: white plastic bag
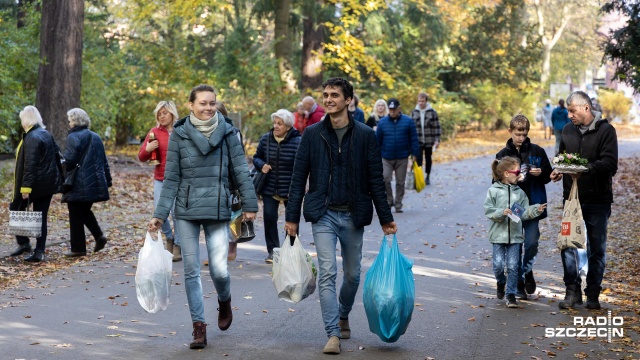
(153, 275)
(294, 274)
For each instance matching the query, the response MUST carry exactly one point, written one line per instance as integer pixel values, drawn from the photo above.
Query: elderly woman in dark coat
(92, 182)
(282, 143)
(37, 177)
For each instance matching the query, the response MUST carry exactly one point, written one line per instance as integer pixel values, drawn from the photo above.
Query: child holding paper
(505, 233)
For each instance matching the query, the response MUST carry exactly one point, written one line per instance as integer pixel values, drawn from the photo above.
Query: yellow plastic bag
(418, 176)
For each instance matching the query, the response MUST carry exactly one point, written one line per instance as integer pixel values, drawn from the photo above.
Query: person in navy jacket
(398, 139)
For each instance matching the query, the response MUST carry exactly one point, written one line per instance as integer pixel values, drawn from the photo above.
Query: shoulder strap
(86, 151)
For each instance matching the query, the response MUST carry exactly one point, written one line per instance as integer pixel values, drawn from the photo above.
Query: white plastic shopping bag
(153, 275)
(294, 274)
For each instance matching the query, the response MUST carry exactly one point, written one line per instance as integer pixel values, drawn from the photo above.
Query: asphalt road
(90, 311)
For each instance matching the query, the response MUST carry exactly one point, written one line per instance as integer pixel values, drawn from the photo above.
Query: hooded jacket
(533, 186)
(198, 172)
(599, 145)
(501, 196)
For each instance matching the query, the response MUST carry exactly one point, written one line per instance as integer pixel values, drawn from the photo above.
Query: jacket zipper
(277, 168)
(186, 204)
(508, 218)
(326, 201)
(220, 175)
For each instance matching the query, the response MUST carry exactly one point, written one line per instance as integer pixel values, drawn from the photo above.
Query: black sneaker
(520, 292)
(511, 301)
(529, 283)
(269, 259)
(500, 291)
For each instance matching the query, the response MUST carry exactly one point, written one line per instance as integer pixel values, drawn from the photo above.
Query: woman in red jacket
(154, 150)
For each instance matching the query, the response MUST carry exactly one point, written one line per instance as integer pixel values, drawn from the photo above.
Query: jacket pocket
(186, 202)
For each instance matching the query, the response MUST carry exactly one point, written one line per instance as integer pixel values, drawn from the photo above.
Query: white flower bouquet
(569, 163)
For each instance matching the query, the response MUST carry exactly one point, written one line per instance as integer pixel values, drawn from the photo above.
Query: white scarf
(206, 127)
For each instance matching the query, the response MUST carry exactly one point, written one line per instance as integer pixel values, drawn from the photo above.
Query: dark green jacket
(197, 174)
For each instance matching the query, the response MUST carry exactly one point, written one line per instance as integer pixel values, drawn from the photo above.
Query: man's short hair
(337, 82)
(519, 123)
(579, 98)
(423, 96)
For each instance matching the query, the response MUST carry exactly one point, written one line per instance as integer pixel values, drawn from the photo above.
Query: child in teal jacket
(505, 232)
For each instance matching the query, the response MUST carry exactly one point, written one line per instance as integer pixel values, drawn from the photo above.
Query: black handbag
(260, 178)
(69, 181)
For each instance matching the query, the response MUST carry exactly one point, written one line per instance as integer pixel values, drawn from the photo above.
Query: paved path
(90, 311)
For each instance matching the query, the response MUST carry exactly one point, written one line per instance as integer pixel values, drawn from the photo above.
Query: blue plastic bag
(389, 292)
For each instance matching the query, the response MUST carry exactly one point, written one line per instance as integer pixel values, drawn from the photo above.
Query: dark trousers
(425, 152)
(596, 217)
(270, 215)
(80, 215)
(40, 204)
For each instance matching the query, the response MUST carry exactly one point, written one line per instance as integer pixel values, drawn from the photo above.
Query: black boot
(100, 243)
(520, 291)
(37, 256)
(426, 180)
(592, 298)
(570, 297)
(579, 295)
(22, 248)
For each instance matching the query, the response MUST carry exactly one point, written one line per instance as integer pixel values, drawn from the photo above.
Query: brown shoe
(333, 346)
(224, 315)
(233, 251)
(177, 253)
(199, 335)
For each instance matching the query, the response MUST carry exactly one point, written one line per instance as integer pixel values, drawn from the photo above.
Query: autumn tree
(60, 73)
(622, 46)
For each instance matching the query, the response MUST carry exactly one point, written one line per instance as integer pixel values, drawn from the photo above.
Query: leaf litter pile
(123, 219)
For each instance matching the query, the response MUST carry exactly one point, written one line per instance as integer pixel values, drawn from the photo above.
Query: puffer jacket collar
(185, 129)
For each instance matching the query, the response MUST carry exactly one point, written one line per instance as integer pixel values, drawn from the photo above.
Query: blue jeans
(531, 237)
(509, 255)
(334, 226)
(596, 218)
(166, 226)
(558, 135)
(215, 233)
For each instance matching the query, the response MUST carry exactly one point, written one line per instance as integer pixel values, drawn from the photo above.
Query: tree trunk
(283, 46)
(60, 73)
(312, 37)
(546, 65)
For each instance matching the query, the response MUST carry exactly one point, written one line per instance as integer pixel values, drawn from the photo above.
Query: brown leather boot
(233, 251)
(224, 315)
(177, 253)
(199, 335)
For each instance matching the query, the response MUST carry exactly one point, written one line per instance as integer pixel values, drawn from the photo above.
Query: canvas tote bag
(25, 223)
(572, 231)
